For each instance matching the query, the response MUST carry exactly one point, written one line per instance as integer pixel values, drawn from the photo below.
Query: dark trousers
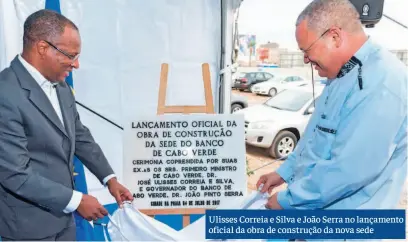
(68, 234)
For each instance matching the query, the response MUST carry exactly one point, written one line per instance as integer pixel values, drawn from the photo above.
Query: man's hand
(90, 208)
(119, 192)
(273, 202)
(269, 181)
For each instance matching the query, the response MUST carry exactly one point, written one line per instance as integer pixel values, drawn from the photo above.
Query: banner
(305, 224)
(247, 45)
(185, 161)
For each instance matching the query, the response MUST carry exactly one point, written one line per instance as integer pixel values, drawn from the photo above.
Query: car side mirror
(310, 110)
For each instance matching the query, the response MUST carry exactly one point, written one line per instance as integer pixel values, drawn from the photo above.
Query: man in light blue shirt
(353, 153)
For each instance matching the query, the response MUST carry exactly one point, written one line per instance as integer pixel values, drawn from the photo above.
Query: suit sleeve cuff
(283, 199)
(106, 179)
(74, 202)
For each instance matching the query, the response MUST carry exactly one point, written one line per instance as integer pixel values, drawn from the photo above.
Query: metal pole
(395, 21)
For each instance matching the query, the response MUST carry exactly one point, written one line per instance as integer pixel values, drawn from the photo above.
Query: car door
(259, 77)
(306, 115)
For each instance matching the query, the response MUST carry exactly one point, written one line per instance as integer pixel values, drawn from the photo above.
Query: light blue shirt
(353, 153)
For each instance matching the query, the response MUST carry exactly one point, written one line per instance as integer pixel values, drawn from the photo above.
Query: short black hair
(44, 25)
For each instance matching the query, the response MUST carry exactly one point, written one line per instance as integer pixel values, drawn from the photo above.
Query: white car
(279, 83)
(278, 124)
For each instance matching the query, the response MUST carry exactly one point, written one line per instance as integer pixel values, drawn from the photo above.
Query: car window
(290, 100)
(259, 76)
(268, 75)
(251, 75)
(296, 78)
(288, 79)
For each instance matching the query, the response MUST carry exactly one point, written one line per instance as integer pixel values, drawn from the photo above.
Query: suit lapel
(37, 95)
(41, 101)
(65, 107)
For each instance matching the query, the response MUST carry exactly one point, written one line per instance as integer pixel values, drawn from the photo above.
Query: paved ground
(259, 160)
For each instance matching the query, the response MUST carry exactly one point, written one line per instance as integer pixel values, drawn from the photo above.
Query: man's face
(320, 49)
(62, 55)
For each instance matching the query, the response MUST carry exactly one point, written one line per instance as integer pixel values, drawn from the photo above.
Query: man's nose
(306, 59)
(75, 64)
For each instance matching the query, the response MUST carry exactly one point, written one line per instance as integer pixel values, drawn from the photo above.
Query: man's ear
(42, 48)
(337, 36)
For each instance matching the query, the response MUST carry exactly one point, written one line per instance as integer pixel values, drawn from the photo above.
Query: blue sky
(272, 20)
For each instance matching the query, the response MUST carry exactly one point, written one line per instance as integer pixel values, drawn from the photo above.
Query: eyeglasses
(71, 57)
(314, 42)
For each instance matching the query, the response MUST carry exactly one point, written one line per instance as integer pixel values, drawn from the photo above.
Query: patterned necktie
(349, 66)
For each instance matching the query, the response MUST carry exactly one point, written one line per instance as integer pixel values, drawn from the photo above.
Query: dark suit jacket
(36, 156)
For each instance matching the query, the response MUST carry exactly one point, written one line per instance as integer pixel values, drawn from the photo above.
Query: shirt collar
(38, 77)
(365, 50)
(357, 60)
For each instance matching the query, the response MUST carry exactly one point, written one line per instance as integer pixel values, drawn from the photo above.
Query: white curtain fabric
(12, 16)
(129, 224)
(124, 43)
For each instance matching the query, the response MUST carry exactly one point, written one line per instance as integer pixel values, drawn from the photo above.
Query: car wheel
(235, 107)
(272, 92)
(283, 144)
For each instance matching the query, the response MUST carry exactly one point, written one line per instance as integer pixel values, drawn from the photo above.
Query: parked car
(245, 80)
(238, 103)
(279, 83)
(277, 124)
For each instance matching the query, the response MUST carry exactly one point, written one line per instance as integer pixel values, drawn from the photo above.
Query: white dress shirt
(51, 93)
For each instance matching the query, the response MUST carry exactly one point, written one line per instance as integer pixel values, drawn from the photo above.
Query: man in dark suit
(40, 132)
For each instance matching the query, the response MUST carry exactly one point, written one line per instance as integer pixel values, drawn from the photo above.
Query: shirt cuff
(283, 199)
(106, 179)
(285, 172)
(74, 202)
